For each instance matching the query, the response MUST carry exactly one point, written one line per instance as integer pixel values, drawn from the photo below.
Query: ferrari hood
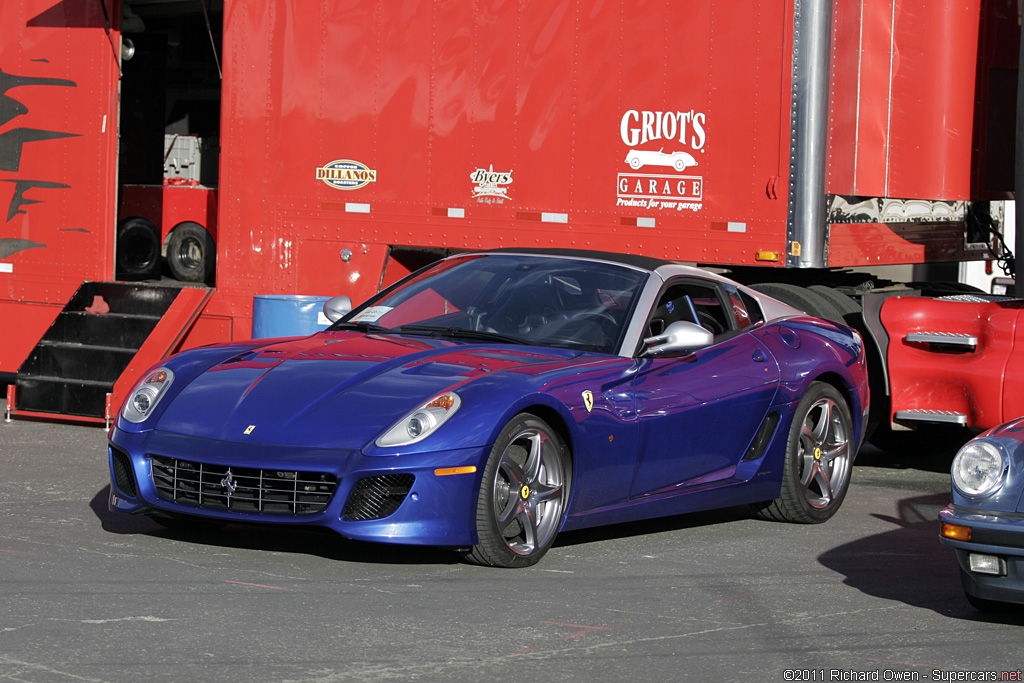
(333, 389)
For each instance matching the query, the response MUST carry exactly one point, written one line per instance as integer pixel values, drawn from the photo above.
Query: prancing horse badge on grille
(229, 483)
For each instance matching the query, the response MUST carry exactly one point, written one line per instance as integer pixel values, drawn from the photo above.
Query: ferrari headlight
(147, 394)
(421, 423)
(978, 468)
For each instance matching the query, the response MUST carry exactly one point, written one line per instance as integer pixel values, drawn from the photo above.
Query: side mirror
(679, 336)
(335, 308)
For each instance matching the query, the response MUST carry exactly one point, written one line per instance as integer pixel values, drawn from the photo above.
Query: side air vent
(763, 437)
(124, 475)
(377, 497)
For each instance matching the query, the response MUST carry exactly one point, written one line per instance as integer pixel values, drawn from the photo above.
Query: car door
(699, 411)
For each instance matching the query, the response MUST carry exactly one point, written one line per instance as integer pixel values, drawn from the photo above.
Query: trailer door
(59, 69)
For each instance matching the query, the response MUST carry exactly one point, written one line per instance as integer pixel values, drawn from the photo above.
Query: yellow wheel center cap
(817, 453)
(524, 492)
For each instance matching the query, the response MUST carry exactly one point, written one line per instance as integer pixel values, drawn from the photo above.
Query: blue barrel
(280, 315)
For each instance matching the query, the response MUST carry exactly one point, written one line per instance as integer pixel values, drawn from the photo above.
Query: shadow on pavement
(271, 537)
(908, 564)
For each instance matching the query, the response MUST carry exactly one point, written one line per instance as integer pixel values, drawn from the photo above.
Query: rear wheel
(819, 459)
(803, 298)
(847, 307)
(523, 495)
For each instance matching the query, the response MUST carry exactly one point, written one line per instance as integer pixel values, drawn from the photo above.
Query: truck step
(943, 416)
(72, 361)
(124, 330)
(62, 396)
(90, 343)
(956, 341)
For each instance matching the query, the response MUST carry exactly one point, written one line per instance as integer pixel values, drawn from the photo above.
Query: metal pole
(1018, 168)
(812, 30)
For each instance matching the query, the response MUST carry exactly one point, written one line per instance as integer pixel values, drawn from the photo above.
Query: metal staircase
(73, 369)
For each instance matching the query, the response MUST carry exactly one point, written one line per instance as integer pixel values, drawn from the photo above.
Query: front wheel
(523, 495)
(819, 459)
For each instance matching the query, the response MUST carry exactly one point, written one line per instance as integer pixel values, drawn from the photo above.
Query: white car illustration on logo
(678, 160)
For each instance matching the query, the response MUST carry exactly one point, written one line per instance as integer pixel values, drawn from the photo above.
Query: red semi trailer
(797, 143)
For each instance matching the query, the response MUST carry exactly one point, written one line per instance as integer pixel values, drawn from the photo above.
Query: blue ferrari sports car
(493, 399)
(984, 524)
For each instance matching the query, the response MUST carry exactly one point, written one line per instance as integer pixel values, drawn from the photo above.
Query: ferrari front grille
(245, 489)
(377, 497)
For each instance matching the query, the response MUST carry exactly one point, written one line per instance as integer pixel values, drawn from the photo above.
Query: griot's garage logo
(661, 146)
(346, 174)
(641, 127)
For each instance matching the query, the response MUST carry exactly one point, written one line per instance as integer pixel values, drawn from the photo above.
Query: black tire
(819, 459)
(191, 253)
(138, 249)
(801, 297)
(523, 495)
(849, 309)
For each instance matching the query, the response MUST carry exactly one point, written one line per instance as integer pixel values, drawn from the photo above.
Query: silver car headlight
(147, 394)
(979, 468)
(421, 423)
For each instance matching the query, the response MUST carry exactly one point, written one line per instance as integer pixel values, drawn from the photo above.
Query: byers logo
(346, 174)
(491, 186)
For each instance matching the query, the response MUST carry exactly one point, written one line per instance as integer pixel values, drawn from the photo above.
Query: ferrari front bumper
(422, 499)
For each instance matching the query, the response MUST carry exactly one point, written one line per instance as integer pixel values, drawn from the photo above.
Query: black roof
(645, 262)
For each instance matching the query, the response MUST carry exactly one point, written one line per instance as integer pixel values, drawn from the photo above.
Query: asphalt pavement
(88, 595)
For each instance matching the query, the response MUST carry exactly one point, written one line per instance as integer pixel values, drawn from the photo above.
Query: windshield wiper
(361, 326)
(460, 333)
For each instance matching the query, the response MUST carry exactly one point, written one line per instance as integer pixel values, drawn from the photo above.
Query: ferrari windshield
(570, 303)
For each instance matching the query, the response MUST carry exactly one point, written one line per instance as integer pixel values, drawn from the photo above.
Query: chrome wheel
(819, 459)
(824, 453)
(528, 491)
(523, 494)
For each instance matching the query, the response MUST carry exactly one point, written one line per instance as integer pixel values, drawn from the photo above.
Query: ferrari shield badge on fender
(588, 400)
(248, 430)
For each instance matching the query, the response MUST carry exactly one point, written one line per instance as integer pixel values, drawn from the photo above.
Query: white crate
(185, 156)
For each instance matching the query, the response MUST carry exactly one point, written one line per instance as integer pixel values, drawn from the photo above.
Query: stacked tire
(138, 249)
(191, 253)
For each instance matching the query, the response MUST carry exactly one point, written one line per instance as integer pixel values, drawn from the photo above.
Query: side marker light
(955, 531)
(445, 471)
